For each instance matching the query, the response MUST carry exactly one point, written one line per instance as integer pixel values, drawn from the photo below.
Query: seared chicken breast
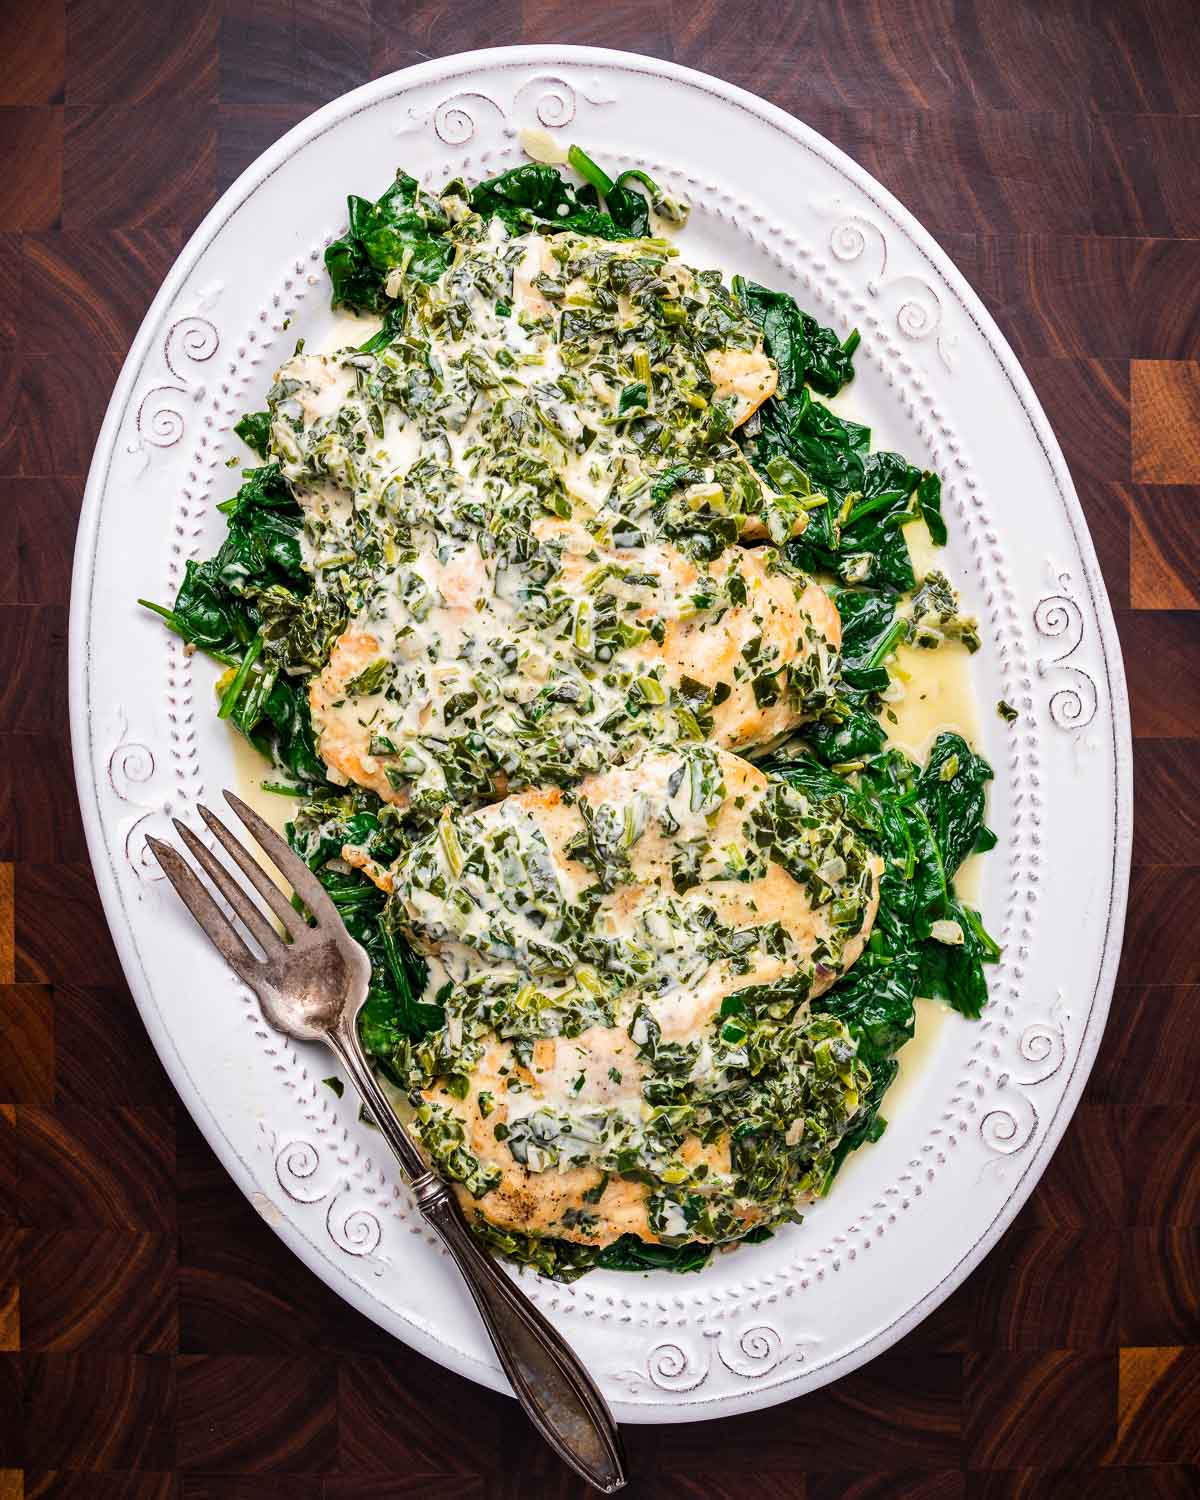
(618, 964)
(743, 670)
(528, 511)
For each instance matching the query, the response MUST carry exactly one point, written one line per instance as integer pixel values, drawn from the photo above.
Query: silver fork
(311, 984)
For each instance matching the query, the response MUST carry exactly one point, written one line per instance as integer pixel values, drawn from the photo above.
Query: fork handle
(344, 1041)
(559, 1396)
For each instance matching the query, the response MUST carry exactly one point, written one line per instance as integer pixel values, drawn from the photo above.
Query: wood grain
(294, 51)
(1158, 902)
(1160, 1152)
(7, 926)
(244, 131)
(1157, 1395)
(1168, 832)
(1087, 402)
(99, 1289)
(1162, 653)
(1147, 57)
(1160, 1286)
(60, 934)
(9, 1209)
(102, 1052)
(946, 1484)
(10, 1289)
(53, 410)
(10, 289)
(12, 1423)
(1048, 1289)
(405, 32)
(127, 55)
(90, 1168)
(1001, 172)
(167, 153)
(26, 1044)
(1141, 175)
(861, 1408)
(157, 1340)
(1151, 1052)
(1163, 569)
(255, 1413)
(1165, 406)
(1106, 510)
(37, 528)
(95, 284)
(78, 1484)
(1060, 1407)
(33, 45)
(1083, 1187)
(31, 153)
(36, 821)
(988, 57)
(99, 1412)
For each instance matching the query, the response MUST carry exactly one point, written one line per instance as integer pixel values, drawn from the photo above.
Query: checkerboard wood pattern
(156, 1340)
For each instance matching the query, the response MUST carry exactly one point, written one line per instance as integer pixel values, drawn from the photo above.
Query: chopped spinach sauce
(576, 506)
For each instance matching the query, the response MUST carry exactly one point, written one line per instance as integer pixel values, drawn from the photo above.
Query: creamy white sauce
(422, 450)
(475, 600)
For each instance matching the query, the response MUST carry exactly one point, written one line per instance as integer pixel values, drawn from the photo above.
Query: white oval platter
(973, 1127)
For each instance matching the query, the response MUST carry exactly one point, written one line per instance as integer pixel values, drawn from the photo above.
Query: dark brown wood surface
(158, 1340)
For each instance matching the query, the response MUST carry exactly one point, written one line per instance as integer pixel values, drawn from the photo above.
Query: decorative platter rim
(710, 1346)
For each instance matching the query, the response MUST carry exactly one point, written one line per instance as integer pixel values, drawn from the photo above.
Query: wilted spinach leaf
(405, 226)
(805, 352)
(534, 196)
(254, 429)
(951, 793)
(393, 1008)
(226, 606)
(920, 821)
(859, 535)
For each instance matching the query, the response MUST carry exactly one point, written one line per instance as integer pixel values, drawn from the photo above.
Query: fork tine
(208, 914)
(251, 915)
(305, 883)
(253, 872)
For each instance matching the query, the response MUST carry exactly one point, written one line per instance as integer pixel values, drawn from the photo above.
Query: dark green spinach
(223, 605)
(254, 429)
(922, 822)
(393, 1007)
(805, 352)
(406, 228)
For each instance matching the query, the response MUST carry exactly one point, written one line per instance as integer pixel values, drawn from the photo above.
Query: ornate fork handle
(550, 1384)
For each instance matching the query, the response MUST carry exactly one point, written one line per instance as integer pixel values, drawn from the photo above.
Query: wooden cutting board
(158, 1340)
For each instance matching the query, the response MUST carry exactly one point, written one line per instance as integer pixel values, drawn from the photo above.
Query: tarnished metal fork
(311, 982)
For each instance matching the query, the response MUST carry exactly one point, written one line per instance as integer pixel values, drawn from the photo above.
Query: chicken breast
(762, 648)
(528, 512)
(641, 906)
